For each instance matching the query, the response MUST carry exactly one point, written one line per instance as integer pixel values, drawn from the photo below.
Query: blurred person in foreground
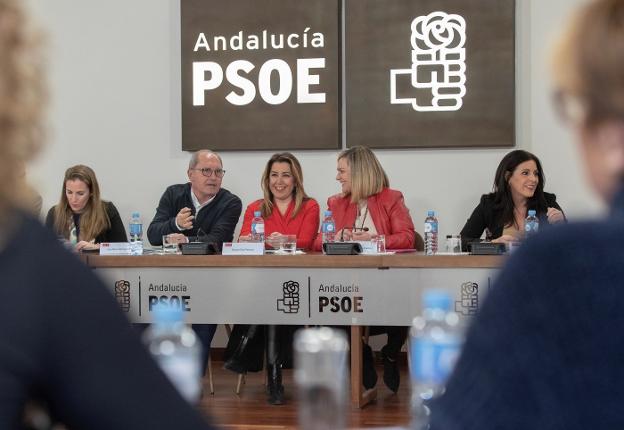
(81, 217)
(518, 187)
(545, 351)
(365, 208)
(31, 200)
(63, 338)
(286, 209)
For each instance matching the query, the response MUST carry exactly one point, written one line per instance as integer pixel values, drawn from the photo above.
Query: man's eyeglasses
(206, 171)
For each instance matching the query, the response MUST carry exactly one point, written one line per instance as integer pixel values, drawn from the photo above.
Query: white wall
(116, 106)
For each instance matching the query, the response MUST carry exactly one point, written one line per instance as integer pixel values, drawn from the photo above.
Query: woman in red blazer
(367, 208)
(286, 209)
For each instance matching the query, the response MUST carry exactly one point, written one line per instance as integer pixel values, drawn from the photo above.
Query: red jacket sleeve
(309, 225)
(401, 225)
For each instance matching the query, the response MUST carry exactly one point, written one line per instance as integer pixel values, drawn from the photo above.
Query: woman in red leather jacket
(367, 208)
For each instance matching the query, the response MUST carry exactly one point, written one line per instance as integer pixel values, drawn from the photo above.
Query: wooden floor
(250, 410)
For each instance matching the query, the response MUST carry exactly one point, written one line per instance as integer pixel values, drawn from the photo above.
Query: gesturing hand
(184, 219)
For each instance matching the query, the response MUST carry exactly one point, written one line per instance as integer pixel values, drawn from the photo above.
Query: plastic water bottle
(321, 375)
(531, 224)
(136, 234)
(328, 228)
(431, 234)
(257, 227)
(176, 349)
(435, 343)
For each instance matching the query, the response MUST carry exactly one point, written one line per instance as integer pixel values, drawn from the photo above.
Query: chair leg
(239, 382)
(210, 381)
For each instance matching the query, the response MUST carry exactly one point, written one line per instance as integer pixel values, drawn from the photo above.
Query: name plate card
(115, 248)
(368, 247)
(243, 248)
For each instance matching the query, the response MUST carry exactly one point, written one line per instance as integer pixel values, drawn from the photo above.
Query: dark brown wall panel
(379, 39)
(259, 125)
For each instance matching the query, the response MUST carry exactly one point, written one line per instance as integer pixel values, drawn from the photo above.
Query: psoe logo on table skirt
(122, 294)
(468, 305)
(289, 303)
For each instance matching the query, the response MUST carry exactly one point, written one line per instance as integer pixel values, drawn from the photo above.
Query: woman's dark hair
(501, 192)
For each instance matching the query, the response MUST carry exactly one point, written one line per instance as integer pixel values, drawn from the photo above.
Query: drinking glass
(289, 244)
(380, 241)
(275, 243)
(170, 245)
(321, 357)
(453, 244)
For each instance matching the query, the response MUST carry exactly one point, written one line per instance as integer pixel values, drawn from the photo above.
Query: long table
(311, 289)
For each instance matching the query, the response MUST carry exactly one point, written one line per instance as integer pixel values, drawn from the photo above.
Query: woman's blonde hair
(94, 219)
(299, 194)
(367, 175)
(588, 64)
(22, 97)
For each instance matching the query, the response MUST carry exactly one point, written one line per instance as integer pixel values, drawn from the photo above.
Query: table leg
(359, 396)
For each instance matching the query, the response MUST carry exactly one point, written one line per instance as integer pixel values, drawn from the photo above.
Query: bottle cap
(431, 213)
(167, 314)
(257, 214)
(135, 215)
(328, 213)
(436, 299)
(532, 212)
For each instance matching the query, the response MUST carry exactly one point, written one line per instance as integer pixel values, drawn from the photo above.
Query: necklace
(519, 216)
(363, 220)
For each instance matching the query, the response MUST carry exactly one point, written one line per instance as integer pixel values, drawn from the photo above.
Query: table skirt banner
(294, 296)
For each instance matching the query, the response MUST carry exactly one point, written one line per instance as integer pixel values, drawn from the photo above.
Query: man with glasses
(199, 209)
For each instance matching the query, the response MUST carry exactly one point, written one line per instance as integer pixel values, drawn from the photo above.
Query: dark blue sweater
(547, 351)
(217, 220)
(64, 339)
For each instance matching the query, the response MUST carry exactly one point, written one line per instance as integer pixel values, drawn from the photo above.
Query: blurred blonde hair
(367, 175)
(94, 219)
(588, 64)
(22, 97)
(299, 194)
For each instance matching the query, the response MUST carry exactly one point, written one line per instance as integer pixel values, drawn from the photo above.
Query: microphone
(200, 233)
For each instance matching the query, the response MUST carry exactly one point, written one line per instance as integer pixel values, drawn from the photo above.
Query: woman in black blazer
(518, 187)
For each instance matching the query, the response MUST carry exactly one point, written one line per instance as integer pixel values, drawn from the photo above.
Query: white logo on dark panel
(438, 63)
